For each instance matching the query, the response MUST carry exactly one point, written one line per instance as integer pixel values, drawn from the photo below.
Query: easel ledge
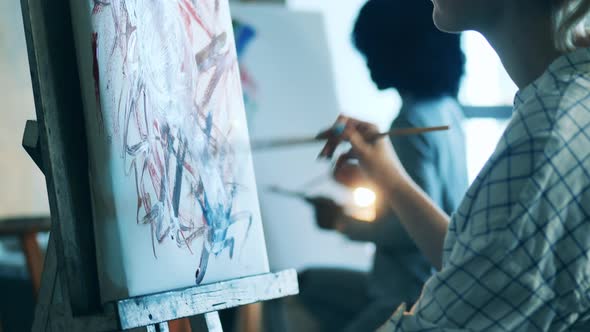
(69, 297)
(146, 310)
(53, 312)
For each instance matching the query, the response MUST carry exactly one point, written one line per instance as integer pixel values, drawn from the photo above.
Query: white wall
(22, 186)
(291, 65)
(355, 95)
(356, 92)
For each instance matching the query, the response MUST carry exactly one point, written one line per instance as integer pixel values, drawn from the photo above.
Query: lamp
(364, 204)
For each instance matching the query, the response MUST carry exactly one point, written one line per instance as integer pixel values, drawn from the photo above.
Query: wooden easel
(69, 296)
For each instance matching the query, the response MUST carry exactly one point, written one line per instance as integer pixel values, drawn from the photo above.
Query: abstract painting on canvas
(174, 193)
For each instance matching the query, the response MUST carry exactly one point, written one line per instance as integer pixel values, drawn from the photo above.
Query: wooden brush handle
(294, 141)
(410, 131)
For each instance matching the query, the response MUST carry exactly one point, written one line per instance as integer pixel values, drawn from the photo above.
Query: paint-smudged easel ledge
(296, 141)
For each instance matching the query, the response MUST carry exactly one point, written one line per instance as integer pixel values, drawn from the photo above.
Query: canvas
(172, 180)
(279, 43)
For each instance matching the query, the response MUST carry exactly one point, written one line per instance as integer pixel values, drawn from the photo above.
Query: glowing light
(364, 197)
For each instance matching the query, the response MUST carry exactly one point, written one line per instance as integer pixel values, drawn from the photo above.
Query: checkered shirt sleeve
(516, 255)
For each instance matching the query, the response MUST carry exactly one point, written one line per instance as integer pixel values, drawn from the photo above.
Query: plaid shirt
(516, 256)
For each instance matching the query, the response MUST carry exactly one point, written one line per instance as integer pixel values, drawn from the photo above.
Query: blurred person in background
(403, 51)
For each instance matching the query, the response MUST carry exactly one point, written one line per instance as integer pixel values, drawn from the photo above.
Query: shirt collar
(560, 70)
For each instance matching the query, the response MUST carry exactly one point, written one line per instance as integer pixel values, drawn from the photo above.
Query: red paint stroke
(188, 7)
(248, 82)
(98, 6)
(122, 37)
(129, 30)
(186, 242)
(96, 77)
(186, 19)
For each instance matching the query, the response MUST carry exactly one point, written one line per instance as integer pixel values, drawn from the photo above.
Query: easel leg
(48, 283)
(213, 322)
(34, 259)
(180, 325)
(161, 327)
(250, 317)
(52, 312)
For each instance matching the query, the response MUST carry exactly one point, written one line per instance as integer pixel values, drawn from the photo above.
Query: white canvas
(174, 194)
(291, 91)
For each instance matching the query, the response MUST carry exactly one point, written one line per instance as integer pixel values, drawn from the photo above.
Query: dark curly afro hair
(404, 50)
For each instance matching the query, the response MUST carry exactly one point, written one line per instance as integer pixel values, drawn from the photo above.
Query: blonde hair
(570, 23)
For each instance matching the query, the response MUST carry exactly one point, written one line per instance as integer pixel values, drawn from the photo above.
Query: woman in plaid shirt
(515, 255)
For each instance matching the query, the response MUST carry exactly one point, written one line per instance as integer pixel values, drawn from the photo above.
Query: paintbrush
(295, 141)
(288, 193)
(315, 201)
